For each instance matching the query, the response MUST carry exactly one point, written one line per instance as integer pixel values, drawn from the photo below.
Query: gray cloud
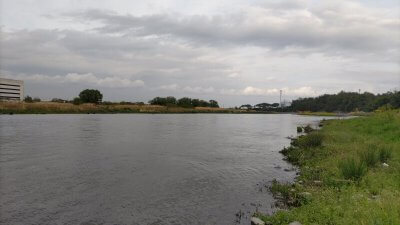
(340, 27)
(240, 56)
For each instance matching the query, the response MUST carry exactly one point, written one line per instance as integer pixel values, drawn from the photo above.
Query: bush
(77, 101)
(91, 96)
(311, 140)
(385, 153)
(28, 99)
(299, 129)
(289, 195)
(308, 129)
(369, 156)
(352, 169)
(36, 99)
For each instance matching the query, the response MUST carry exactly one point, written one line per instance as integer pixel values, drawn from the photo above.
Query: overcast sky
(234, 51)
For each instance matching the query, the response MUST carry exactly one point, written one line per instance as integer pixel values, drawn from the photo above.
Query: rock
(317, 182)
(295, 223)
(385, 165)
(256, 221)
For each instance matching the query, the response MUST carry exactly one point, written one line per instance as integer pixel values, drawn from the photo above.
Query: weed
(369, 156)
(352, 169)
(311, 140)
(308, 129)
(385, 153)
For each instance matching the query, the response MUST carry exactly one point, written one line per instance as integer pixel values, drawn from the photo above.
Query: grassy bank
(307, 113)
(349, 174)
(58, 108)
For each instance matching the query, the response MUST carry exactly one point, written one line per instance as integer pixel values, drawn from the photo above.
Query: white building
(11, 90)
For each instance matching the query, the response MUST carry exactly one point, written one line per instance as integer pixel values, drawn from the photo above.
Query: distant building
(11, 90)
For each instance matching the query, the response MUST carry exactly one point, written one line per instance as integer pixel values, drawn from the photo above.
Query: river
(141, 168)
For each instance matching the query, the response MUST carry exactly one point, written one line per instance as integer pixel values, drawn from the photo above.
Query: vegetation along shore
(349, 173)
(69, 108)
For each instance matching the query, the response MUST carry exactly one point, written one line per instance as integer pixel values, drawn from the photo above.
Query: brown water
(141, 168)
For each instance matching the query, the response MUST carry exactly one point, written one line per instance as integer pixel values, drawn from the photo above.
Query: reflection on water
(140, 168)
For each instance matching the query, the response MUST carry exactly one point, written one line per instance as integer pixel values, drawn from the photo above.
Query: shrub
(299, 129)
(369, 156)
(311, 140)
(308, 129)
(36, 99)
(385, 153)
(28, 99)
(352, 169)
(77, 101)
(91, 96)
(289, 195)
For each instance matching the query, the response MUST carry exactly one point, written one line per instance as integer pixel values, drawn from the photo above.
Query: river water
(141, 168)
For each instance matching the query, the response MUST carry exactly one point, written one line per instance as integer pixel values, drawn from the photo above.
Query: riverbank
(68, 108)
(308, 113)
(348, 174)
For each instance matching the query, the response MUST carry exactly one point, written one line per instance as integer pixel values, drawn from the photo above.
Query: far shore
(89, 108)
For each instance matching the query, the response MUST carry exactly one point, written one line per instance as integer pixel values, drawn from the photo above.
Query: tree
(28, 99)
(195, 102)
(214, 104)
(77, 101)
(185, 102)
(346, 102)
(91, 96)
(36, 99)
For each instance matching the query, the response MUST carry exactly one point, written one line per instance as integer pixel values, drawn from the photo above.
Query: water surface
(141, 168)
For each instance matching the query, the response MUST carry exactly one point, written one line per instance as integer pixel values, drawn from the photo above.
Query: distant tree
(28, 99)
(167, 101)
(91, 96)
(195, 102)
(77, 101)
(275, 104)
(203, 103)
(185, 102)
(58, 100)
(246, 106)
(36, 99)
(346, 102)
(170, 101)
(214, 104)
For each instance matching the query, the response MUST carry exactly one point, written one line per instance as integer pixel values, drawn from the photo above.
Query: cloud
(186, 89)
(343, 26)
(254, 91)
(88, 79)
(243, 53)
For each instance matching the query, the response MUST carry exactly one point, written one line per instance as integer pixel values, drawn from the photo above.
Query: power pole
(280, 98)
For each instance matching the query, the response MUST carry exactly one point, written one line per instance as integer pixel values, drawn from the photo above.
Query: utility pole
(280, 98)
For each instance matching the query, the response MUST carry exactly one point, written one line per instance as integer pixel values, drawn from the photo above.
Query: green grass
(344, 175)
(353, 169)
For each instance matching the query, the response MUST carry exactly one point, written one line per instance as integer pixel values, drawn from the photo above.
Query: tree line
(183, 102)
(346, 102)
(95, 96)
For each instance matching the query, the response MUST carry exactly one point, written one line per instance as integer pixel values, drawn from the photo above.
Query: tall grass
(54, 107)
(369, 156)
(352, 169)
(311, 140)
(385, 153)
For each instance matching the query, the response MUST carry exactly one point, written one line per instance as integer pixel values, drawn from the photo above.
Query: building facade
(11, 90)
